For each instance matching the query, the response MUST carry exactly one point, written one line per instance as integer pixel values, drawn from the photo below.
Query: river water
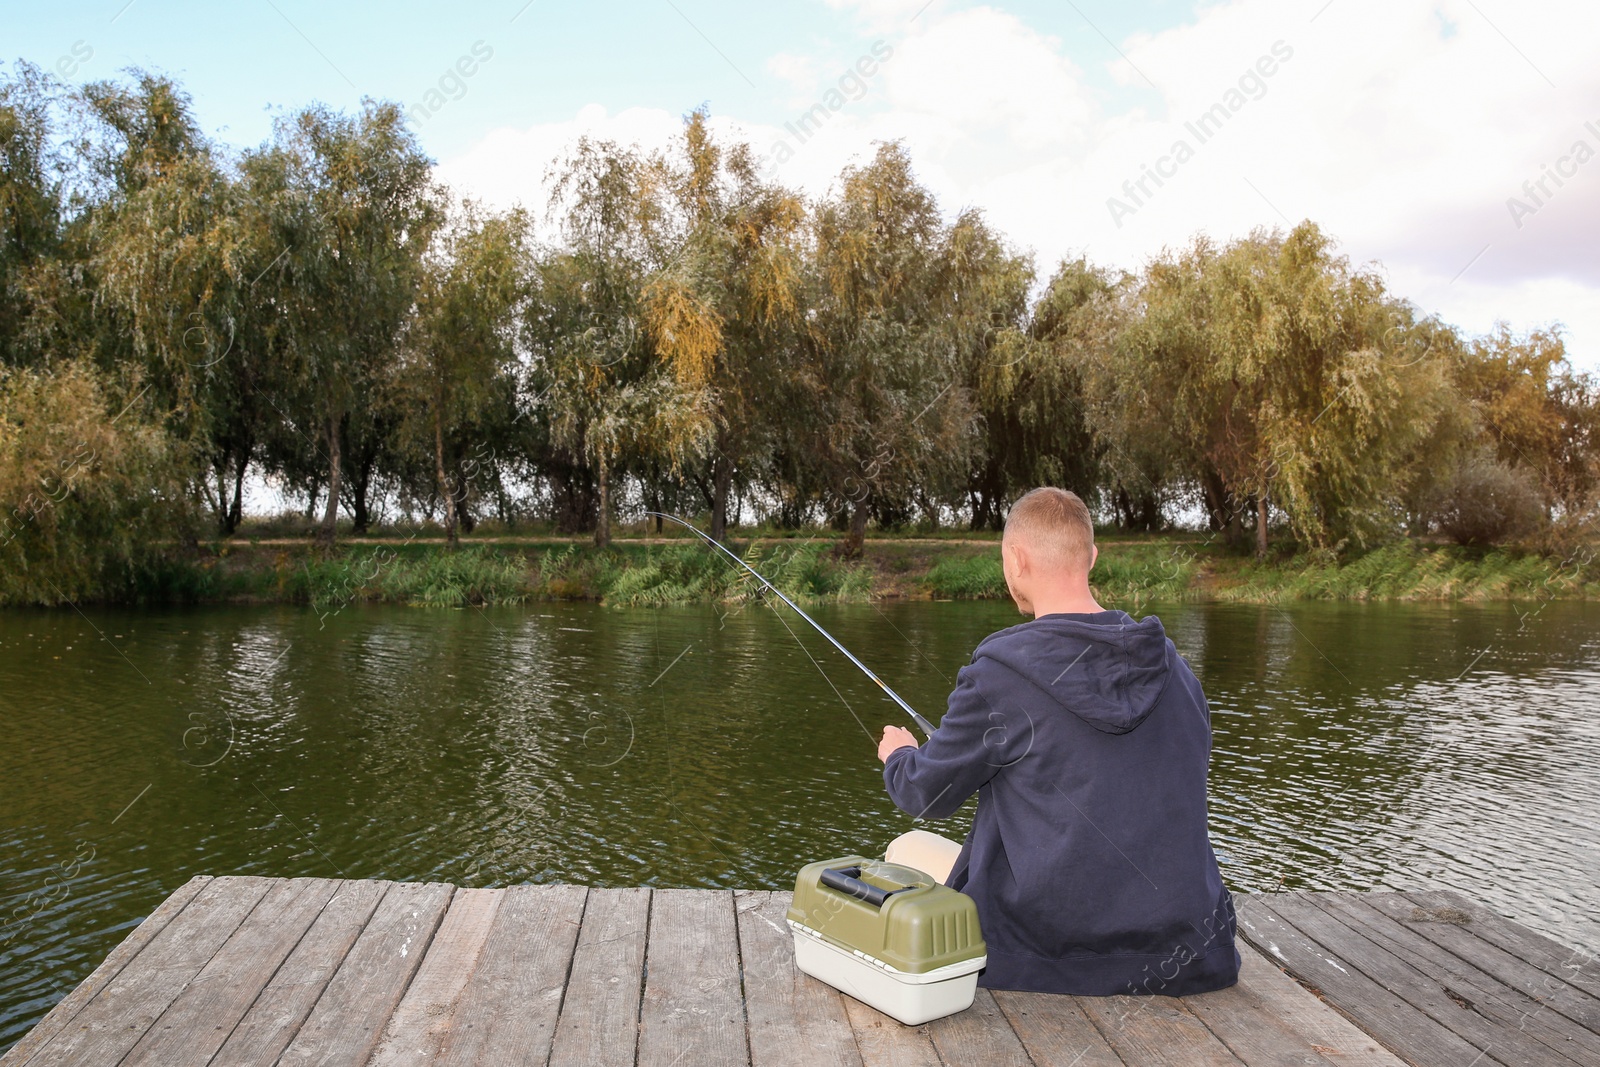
(1356, 747)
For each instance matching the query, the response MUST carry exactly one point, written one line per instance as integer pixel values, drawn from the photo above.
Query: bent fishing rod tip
(923, 724)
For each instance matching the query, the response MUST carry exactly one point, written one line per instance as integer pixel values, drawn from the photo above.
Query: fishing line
(820, 671)
(914, 646)
(924, 724)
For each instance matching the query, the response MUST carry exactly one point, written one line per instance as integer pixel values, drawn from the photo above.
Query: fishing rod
(923, 724)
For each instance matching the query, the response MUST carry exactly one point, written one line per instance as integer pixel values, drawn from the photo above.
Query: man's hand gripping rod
(923, 724)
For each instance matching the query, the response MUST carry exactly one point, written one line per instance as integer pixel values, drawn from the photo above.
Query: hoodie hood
(1103, 667)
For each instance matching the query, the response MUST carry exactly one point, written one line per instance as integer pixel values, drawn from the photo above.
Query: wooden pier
(262, 971)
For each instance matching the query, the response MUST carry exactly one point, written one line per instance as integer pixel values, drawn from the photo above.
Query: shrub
(1484, 501)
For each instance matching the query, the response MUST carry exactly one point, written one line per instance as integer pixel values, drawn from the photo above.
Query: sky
(1454, 146)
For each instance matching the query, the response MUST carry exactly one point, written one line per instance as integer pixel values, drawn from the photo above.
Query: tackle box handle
(848, 880)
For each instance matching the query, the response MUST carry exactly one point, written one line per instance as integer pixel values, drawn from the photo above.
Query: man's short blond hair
(1056, 525)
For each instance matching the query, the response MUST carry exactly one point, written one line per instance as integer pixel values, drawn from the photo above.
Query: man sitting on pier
(1087, 739)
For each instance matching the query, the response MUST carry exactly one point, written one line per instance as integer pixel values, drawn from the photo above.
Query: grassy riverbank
(642, 571)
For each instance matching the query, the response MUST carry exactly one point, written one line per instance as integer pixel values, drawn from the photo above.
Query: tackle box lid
(887, 911)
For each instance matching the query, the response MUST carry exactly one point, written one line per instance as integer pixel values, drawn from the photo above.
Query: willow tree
(31, 194)
(1024, 372)
(728, 294)
(349, 202)
(621, 381)
(1284, 375)
(91, 483)
(461, 340)
(175, 255)
(887, 410)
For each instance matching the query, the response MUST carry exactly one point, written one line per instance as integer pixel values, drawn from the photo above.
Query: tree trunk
(571, 493)
(1261, 526)
(602, 524)
(502, 506)
(851, 546)
(1216, 511)
(219, 506)
(236, 509)
(360, 493)
(466, 521)
(721, 479)
(330, 516)
(311, 498)
(444, 483)
(652, 496)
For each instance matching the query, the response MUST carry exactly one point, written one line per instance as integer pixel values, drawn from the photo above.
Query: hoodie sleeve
(972, 743)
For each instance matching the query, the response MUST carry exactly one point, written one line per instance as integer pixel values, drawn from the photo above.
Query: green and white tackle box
(888, 935)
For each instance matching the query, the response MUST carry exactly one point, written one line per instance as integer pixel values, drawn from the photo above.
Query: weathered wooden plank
(599, 1020)
(1053, 1029)
(348, 1020)
(885, 1042)
(277, 1014)
(199, 1021)
(1292, 931)
(416, 1031)
(69, 1006)
(693, 1011)
(794, 1020)
(1457, 936)
(1428, 993)
(508, 1011)
(980, 1034)
(1460, 980)
(115, 1020)
(1576, 967)
(1253, 1027)
(1330, 1034)
(1155, 1031)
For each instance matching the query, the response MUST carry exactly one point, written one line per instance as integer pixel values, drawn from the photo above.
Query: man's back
(1087, 739)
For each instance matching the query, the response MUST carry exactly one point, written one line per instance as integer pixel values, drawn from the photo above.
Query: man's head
(1048, 550)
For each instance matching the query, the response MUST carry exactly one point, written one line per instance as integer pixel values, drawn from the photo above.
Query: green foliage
(1409, 571)
(1282, 379)
(968, 578)
(686, 573)
(341, 211)
(429, 579)
(1536, 413)
(888, 421)
(1028, 383)
(1127, 576)
(1482, 500)
(453, 382)
(452, 579)
(90, 486)
(31, 192)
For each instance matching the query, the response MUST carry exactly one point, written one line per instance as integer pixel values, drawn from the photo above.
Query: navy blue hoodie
(1087, 740)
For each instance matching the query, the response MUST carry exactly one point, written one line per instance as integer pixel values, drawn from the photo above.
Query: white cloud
(800, 72)
(1402, 129)
(981, 72)
(887, 14)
